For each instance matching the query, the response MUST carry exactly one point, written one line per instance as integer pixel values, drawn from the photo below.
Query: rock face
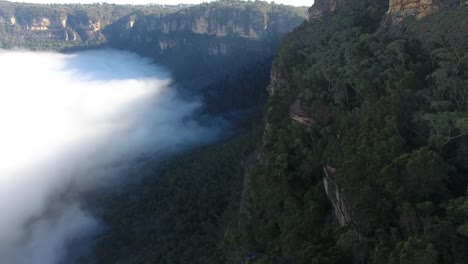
(221, 50)
(275, 79)
(323, 7)
(26, 25)
(220, 27)
(399, 9)
(213, 44)
(318, 117)
(341, 207)
(299, 114)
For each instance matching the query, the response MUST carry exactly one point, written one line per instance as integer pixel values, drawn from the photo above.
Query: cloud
(69, 123)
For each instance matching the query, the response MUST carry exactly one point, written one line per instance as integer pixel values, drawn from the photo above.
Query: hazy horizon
(144, 2)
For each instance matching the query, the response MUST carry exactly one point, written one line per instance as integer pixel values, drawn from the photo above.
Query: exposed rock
(319, 116)
(40, 24)
(220, 23)
(323, 7)
(59, 23)
(274, 81)
(299, 114)
(399, 9)
(341, 206)
(63, 21)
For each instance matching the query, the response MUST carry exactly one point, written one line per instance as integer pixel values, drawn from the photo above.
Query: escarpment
(342, 208)
(227, 49)
(220, 28)
(40, 26)
(323, 8)
(363, 99)
(401, 9)
(220, 51)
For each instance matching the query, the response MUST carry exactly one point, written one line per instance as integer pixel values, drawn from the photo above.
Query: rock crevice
(341, 206)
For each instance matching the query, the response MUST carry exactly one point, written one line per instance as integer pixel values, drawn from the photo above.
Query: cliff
(396, 12)
(361, 160)
(57, 26)
(323, 8)
(399, 9)
(226, 49)
(217, 23)
(221, 50)
(342, 208)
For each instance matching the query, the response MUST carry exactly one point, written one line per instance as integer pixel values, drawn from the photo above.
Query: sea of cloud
(66, 123)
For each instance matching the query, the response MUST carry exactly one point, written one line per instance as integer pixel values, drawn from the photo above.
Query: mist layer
(67, 122)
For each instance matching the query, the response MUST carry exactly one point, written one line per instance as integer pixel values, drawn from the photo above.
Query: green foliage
(415, 251)
(397, 138)
(75, 33)
(180, 212)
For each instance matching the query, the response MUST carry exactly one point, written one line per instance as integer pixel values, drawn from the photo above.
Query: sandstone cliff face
(323, 7)
(318, 118)
(275, 80)
(219, 27)
(341, 206)
(26, 25)
(399, 9)
(64, 27)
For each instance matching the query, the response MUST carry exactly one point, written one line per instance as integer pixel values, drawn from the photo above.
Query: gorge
(333, 135)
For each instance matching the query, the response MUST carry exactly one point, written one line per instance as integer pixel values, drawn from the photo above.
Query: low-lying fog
(66, 122)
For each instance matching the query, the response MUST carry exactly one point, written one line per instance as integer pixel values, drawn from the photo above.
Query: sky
(286, 2)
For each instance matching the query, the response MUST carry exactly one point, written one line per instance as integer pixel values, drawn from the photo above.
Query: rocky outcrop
(26, 24)
(274, 81)
(219, 27)
(399, 9)
(318, 116)
(299, 114)
(323, 7)
(41, 24)
(341, 206)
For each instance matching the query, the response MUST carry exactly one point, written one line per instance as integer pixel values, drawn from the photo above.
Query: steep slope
(364, 154)
(224, 49)
(37, 26)
(221, 51)
(180, 216)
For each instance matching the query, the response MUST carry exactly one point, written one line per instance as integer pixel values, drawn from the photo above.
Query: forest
(360, 156)
(384, 120)
(386, 123)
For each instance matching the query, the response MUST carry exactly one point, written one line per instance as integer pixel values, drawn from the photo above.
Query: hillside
(364, 154)
(361, 157)
(58, 26)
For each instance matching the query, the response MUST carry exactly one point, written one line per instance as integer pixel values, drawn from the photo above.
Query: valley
(336, 133)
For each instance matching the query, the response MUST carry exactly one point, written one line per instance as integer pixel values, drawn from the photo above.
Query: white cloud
(68, 123)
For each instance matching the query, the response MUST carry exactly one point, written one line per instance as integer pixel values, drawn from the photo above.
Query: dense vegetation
(17, 33)
(390, 110)
(389, 106)
(180, 215)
